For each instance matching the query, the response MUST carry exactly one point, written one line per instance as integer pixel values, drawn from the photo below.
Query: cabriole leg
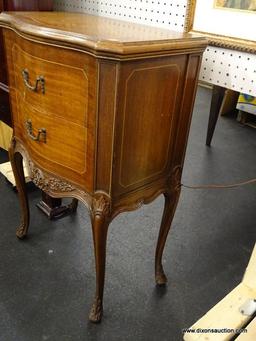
(16, 160)
(100, 223)
(171, 201)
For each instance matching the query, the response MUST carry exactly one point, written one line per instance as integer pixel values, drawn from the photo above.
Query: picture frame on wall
(226, 23)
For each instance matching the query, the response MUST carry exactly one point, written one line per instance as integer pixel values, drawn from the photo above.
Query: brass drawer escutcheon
(41, 135)
(39, 81)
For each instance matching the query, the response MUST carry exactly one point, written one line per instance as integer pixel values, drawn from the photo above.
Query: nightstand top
(99, 35)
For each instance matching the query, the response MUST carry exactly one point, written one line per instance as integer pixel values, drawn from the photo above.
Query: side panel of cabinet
(107, 94)
(187, 104)
(5, 114)
(2, 65)
(149, 98)
(3, 76)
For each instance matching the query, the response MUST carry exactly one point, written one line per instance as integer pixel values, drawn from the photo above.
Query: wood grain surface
(99, 35)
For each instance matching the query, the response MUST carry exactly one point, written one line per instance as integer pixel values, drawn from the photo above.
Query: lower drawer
(55, 144)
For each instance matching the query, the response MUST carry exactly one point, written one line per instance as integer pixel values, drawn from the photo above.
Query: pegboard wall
(160, 13)
(228, 68)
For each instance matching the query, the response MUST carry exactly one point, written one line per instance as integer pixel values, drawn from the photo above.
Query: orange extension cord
(238, 184)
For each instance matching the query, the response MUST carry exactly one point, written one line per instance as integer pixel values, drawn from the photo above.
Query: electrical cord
(238, 184)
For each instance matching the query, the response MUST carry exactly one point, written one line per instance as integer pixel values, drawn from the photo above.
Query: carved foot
(96, 311)
(161, 279)
(21, 232)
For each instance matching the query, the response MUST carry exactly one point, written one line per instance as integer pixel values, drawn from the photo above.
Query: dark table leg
(217, 98)
(53, 207)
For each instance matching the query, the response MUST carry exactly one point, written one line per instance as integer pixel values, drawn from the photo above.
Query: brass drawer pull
(39, 80)
(41, 135)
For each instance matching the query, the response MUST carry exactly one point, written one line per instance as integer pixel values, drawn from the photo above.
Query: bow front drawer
(52, 140)
(53, 93)
(54, 86)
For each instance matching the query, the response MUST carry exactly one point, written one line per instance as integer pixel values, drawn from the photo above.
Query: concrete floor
(47, 280)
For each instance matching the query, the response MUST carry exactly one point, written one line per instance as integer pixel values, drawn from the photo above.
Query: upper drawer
(69, 78)
(53, 86)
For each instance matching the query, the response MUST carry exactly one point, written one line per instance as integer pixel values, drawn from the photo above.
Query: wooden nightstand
(101, 111)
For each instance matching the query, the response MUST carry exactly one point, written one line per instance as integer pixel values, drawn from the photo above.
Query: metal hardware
(41, 135)
(248, 308)
(39, 80)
